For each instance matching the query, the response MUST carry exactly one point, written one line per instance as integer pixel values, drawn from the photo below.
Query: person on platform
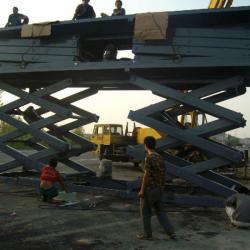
(118, 11)
(84, 11)
(17, 19)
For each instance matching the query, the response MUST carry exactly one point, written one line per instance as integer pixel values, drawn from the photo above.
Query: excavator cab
(111, 141)
(107, 133)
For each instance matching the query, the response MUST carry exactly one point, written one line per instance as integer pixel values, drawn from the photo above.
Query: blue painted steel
(201, 52)
(58, 146)
(196, 201)
(213, 63)
(186, 200)
(189, 100)
(199, 173)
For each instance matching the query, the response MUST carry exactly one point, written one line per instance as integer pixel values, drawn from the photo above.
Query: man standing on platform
(84, 11)
(17, 19)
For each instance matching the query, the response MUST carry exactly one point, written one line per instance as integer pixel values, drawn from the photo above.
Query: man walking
(151, 191)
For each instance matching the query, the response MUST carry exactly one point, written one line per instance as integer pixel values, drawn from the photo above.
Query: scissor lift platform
(205, 53)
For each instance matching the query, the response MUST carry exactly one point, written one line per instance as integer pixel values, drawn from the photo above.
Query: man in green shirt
(151, 191)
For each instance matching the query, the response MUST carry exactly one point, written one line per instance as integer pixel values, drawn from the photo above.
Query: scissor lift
(205, 53)
(57, 140)
(178, 103)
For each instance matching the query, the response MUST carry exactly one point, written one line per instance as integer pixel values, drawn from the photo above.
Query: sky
(113, 107)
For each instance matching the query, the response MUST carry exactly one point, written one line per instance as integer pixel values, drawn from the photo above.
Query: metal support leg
(55, 141)
(161, 116)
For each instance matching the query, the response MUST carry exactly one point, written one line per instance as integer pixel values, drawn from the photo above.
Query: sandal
(144, 237)
(172, 236)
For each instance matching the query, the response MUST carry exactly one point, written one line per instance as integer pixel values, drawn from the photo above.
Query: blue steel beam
(207, 165)
(39, 93)
(124, 25)
(189, 137)
(210, 175)
(202, 92)
(27, 162)
(179, 199)
(34, 161)
(206, 130)
(200, 173)
(152, 62)
(190, 100)
(40, 135)
(82, 117)
(211, 186)
(208, 53)
(36, 100)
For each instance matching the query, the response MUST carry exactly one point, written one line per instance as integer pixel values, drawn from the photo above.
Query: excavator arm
(215, 4)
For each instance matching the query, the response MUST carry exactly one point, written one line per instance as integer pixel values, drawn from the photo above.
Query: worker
(151, 191)
(17, 19)
(49, 176)
(111, 51)
(119, 11)
(238, 208)
(84, 11)
(30, 115)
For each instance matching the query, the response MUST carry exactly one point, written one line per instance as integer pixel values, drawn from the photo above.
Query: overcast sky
(113, 107)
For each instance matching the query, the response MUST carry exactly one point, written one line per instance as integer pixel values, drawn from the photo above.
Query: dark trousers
(152, 199)
(48, 194)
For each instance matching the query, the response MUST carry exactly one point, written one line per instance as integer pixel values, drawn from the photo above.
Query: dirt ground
(27, 223)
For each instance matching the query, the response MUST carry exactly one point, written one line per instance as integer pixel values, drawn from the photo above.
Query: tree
(79, 131)
(4, 127)
(232, 141)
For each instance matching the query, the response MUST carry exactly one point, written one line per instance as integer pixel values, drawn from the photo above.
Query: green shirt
(155, 166)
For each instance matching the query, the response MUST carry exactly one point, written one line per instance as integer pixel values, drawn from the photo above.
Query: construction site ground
(104, 221)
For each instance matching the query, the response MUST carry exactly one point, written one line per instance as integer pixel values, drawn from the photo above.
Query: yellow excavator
(112, 141)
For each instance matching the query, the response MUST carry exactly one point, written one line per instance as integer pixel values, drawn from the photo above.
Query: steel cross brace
(57, 137)
(113, 188)
(202, 99)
